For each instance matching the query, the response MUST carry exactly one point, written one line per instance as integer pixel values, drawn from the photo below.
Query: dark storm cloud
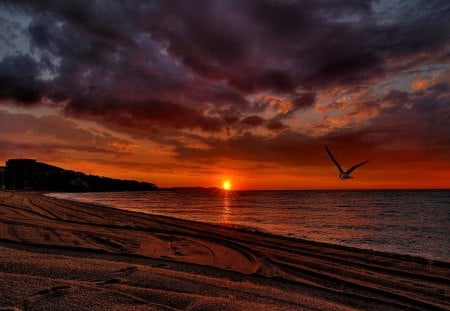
(13, 148)
(138, 64)
(286, 148)
(304, 100)
(18, 80)
(253, 120)
(282, 45)
(417, 122)
(275, 125)
(144, 113)
(57, 131)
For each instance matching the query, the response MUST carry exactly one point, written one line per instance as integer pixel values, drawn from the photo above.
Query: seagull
(344, 174)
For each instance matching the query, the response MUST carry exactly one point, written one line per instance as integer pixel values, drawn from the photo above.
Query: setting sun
(226, 185)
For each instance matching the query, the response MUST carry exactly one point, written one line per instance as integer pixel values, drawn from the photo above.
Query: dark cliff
(28, 174)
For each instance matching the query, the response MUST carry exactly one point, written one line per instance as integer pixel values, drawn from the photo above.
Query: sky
(192, 93)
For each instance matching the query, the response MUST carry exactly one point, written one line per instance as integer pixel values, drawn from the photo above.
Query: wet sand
(61, 255)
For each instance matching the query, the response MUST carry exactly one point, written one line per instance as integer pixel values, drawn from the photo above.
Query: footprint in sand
(121, 276)
(108, 281)
(162, 265)
(54, 291)
(176, 251)
(126, 271)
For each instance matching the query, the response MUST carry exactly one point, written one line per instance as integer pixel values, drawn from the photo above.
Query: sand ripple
(64, 255)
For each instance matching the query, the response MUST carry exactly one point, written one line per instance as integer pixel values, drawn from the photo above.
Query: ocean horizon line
(303, 189)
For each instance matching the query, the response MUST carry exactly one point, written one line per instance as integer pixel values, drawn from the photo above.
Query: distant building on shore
(28, 174)
(19, 174)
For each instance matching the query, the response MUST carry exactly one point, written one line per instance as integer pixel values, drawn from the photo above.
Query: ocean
(413, 222)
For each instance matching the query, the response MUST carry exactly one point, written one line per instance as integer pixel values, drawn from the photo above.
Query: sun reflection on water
(226, 214)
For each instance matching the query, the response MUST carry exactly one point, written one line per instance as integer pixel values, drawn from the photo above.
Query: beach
(64, 255)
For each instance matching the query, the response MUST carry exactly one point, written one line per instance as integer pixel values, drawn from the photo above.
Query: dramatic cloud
(26, 133)
(18, 80)
(265, 81)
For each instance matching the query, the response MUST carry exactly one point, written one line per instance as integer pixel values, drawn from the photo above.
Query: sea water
(412, 222)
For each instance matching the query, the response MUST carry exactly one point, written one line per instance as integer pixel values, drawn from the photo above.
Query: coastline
(66, 255)
(366, 229)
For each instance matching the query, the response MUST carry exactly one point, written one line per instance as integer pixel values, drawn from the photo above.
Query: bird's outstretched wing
(354, 167)
(334, 160)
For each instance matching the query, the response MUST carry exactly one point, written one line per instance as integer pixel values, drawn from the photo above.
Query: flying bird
(344, 174)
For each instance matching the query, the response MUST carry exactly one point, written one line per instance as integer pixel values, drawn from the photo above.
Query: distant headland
(28, 174)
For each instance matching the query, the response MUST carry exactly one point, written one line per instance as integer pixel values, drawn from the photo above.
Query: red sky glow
(183, 94)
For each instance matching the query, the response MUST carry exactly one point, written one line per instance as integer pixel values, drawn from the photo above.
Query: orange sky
(246, 92)
(88, 147)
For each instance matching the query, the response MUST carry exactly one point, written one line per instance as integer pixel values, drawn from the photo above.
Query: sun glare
(226, 185)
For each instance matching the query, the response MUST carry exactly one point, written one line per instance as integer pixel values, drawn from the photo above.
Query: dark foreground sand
(60, 255)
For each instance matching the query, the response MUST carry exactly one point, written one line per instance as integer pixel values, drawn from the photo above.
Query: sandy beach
(62, 255)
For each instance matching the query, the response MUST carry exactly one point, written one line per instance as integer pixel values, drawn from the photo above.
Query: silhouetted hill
(28, 174)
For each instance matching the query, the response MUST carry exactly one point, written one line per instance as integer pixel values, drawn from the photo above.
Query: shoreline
(261, 231)
(79, 255)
